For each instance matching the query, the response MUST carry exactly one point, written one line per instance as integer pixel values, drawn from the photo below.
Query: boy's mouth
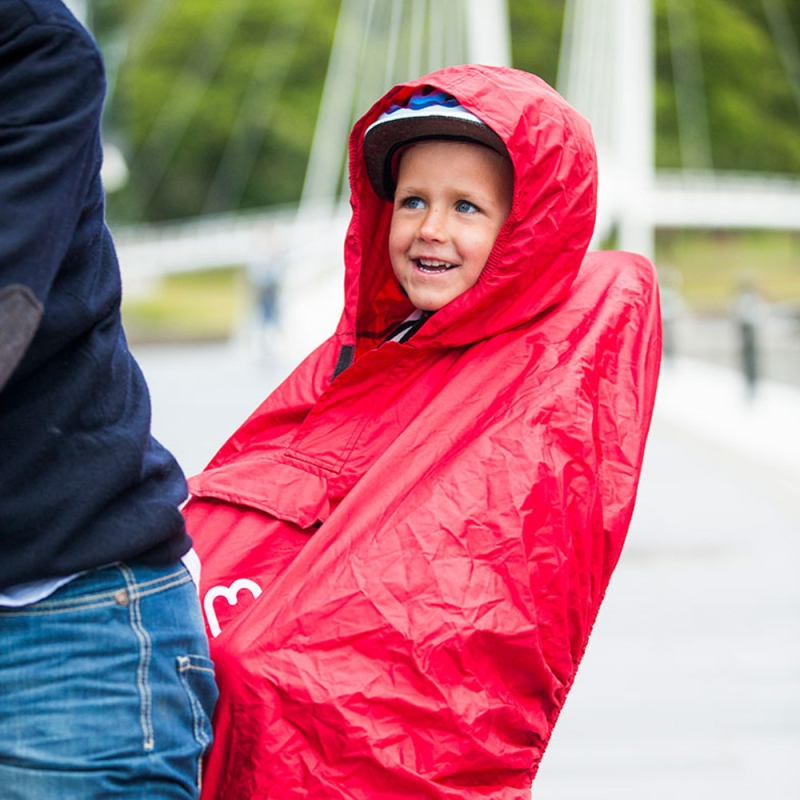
(433, 266)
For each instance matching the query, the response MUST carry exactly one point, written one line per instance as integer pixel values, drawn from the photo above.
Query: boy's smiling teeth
(433, 265)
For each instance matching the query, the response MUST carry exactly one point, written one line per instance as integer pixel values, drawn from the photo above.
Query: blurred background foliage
(753, 115)
(213, 104)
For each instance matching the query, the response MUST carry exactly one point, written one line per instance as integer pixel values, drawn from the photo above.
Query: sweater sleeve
(51, 93)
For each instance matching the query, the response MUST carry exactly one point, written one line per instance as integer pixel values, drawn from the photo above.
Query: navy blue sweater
(82, 482)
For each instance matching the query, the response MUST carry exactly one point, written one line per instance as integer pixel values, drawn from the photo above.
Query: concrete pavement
(690, 687)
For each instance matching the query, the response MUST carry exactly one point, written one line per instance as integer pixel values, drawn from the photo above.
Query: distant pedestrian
(672, 306)
(749, 311)
(105, 685)
(264, 279)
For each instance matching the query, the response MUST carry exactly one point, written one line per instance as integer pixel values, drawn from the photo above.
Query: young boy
(405, 547)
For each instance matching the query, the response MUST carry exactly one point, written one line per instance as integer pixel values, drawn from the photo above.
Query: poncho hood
(539, 250)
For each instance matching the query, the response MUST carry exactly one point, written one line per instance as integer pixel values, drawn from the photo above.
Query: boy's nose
(433, 226)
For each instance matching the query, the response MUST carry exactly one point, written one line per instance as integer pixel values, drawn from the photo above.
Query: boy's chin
(422, 304)
(427, 299)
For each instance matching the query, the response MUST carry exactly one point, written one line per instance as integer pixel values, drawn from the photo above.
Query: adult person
(105, 682)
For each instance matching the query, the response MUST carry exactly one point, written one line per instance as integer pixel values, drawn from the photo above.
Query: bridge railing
(147, 252)
(680, 198)
(706, 199)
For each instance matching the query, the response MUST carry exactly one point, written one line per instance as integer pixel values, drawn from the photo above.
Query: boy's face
(452, 198)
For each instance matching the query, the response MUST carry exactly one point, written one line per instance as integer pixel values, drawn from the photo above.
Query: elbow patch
(20, 313)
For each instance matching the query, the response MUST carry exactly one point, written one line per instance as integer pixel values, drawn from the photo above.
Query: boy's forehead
(470, 170)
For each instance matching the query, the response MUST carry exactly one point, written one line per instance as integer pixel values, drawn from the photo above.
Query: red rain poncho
(405, 561)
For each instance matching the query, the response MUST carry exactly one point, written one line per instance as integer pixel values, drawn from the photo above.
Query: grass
(710, 267)
(197, 306)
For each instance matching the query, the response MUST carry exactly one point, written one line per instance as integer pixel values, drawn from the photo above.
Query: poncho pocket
(283, 490)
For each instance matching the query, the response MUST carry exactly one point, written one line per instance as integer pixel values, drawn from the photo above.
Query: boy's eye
(464, 206)
(413, 202)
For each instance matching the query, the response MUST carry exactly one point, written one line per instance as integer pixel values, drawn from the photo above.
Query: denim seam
(25, 611)
(145, 657)
(97, 600)
(185, 666)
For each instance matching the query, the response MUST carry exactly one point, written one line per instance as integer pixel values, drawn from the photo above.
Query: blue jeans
(106, 689)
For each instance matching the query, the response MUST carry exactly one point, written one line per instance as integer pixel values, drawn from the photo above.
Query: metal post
(488, 32)
(635, 124)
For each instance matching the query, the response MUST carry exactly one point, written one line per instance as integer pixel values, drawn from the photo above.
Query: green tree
(753, 118)
(214, 103)
(215, 106)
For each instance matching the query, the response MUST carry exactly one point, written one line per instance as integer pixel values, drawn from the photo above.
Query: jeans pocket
(197, 676)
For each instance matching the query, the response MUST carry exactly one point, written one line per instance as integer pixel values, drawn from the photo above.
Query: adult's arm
(51, 94)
